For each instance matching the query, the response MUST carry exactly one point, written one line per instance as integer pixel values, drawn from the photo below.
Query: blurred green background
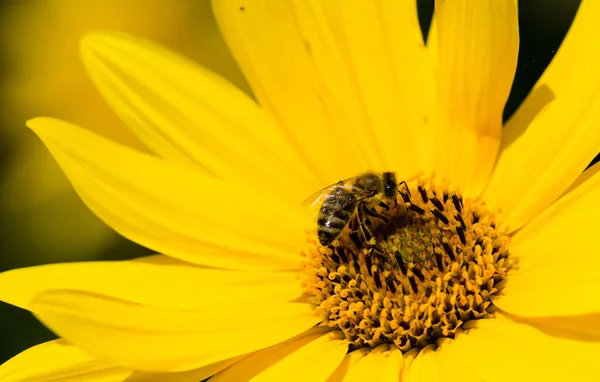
(42, 219)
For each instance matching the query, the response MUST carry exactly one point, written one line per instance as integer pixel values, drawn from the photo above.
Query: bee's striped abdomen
(335, 214)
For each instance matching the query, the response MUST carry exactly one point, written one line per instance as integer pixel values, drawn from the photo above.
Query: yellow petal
(452, 363)
(384, 363)
(578, 50)
(58, 361)
(311, 356)
(348, 80)
(152, 338)
(503, 349)
(383, 45)
(432, 41)
(587, 174)
(154, 280)
(554, 135)
(187, 114)
(587, 325)
(349, 360)
(557, 260)
(173, 209)
(407, 360)
(445, 364)
(195, 375)
(423, 367)
(477, 48)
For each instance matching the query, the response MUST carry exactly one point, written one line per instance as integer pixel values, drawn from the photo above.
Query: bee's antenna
(406, 187)
(406, 196)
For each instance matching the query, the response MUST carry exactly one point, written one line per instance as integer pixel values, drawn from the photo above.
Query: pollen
(411, 273)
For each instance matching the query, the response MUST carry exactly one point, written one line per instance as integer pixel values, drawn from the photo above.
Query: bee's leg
(362, 225)
(366, 232)
(406, 197)
(376, 215)
(385, 206)
(353, 235)
(405, 187)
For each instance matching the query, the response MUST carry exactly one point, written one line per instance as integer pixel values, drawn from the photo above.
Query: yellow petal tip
(39, 123)
(48, 127)
(93, 43)
(92, 38)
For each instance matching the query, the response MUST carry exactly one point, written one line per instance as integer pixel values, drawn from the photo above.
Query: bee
(344, 199)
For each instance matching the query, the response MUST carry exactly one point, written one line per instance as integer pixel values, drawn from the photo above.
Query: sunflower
(481, 265)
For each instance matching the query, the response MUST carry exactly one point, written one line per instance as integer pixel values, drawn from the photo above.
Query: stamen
(456, 203)
(439, 215)
(418, 273)
(416, 209)
(446, 196)
(408, 273)
(438, 260)
(423, 194)
(461, 221)
(436, 202)
(461, 234)
(342, 254)
(448, 250)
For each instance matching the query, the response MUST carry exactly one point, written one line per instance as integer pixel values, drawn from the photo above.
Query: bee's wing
(322, 194)
(314, 201)
(316, 197)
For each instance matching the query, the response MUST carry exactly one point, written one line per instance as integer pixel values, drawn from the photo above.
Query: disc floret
(433, 265)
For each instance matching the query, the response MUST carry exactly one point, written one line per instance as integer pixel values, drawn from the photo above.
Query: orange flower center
(408, 273)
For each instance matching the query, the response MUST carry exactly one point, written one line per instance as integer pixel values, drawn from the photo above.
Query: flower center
(408, 272)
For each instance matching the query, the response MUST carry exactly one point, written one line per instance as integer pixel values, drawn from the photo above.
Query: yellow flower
(342, 88)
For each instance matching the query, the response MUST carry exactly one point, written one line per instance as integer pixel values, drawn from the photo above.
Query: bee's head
(390, 185)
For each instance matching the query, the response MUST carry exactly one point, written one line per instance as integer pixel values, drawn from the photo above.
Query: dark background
(42, 219)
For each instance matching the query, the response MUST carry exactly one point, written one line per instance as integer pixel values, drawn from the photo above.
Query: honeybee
(345, 198)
